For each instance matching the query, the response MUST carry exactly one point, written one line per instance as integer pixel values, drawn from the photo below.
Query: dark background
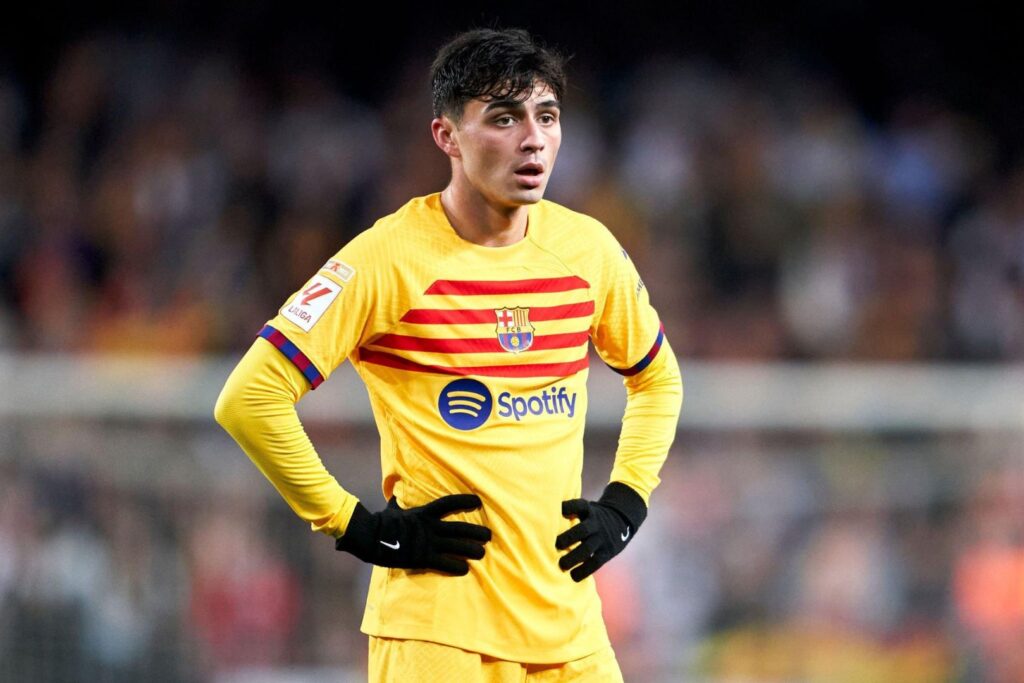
(968, 56)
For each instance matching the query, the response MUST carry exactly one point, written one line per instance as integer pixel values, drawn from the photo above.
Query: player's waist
(499, 600)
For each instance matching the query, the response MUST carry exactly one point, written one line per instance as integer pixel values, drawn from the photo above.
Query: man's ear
(443, 130)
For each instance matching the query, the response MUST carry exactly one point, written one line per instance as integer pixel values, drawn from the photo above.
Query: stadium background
(826, 201)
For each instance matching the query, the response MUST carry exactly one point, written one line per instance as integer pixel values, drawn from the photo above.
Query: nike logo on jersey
(625, 536)
(394, 546)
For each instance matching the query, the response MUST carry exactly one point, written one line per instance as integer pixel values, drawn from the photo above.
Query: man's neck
(477, 221)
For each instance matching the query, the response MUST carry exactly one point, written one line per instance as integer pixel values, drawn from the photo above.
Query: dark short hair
(492, 64)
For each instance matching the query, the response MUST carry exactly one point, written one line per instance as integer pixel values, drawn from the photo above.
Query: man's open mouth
(530, 170)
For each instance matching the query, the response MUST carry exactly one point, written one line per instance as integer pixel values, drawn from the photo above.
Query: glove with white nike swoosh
(417, 538)
(605, 527)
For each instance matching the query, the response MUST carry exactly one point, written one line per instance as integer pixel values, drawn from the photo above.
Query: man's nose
(533, 138)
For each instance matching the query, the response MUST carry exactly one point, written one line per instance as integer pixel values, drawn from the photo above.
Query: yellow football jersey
(475, 360)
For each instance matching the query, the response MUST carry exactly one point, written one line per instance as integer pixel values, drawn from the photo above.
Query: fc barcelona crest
(515, 333)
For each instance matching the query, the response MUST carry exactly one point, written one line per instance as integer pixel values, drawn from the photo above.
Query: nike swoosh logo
(625, 536)
(394, 546)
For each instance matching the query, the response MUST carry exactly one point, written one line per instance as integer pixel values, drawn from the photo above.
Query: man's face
(507, 148)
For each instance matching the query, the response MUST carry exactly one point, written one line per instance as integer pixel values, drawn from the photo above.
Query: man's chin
(517, 197)
(527, 197)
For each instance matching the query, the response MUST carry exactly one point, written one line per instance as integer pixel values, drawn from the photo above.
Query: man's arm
(653, 401)
(654, 398)
(257, 408)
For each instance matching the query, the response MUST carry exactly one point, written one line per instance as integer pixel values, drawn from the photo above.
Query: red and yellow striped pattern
(458, 335)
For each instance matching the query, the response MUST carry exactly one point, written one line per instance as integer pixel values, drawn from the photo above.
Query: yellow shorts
(418, 661)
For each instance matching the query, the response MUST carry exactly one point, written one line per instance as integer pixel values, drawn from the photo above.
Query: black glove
(417, 538)
(605, 528)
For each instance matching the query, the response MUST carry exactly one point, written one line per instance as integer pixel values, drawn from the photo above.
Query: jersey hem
(558, 655)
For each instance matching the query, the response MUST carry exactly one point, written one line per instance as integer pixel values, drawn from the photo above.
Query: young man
(468, 315)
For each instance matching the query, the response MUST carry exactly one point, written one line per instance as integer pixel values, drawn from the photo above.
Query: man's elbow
(676, 374)
(225, 410)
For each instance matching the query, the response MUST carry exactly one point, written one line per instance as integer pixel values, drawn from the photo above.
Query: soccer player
(468, 314)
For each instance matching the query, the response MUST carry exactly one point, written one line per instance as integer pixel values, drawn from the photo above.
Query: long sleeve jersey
(475, 360)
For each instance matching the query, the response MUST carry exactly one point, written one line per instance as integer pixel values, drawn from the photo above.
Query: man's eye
(547, 118)
(504, 120)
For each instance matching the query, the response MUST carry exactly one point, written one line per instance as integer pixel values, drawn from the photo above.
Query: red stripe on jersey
(489, 287)
(484, 345)
(521, 370)
(444, 316)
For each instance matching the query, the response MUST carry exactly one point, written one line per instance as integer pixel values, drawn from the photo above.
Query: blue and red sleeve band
(646, 360)
(292, 353)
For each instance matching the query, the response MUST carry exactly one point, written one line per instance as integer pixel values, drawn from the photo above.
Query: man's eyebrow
(508, 103)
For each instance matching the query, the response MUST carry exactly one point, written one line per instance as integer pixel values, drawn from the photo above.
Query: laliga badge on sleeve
(309, 305)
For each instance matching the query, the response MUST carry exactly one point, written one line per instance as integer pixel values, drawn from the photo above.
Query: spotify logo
(465, 404)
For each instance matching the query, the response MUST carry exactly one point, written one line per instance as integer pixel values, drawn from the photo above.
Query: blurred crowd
(170, 570)
(812, 558)
(159, 197)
